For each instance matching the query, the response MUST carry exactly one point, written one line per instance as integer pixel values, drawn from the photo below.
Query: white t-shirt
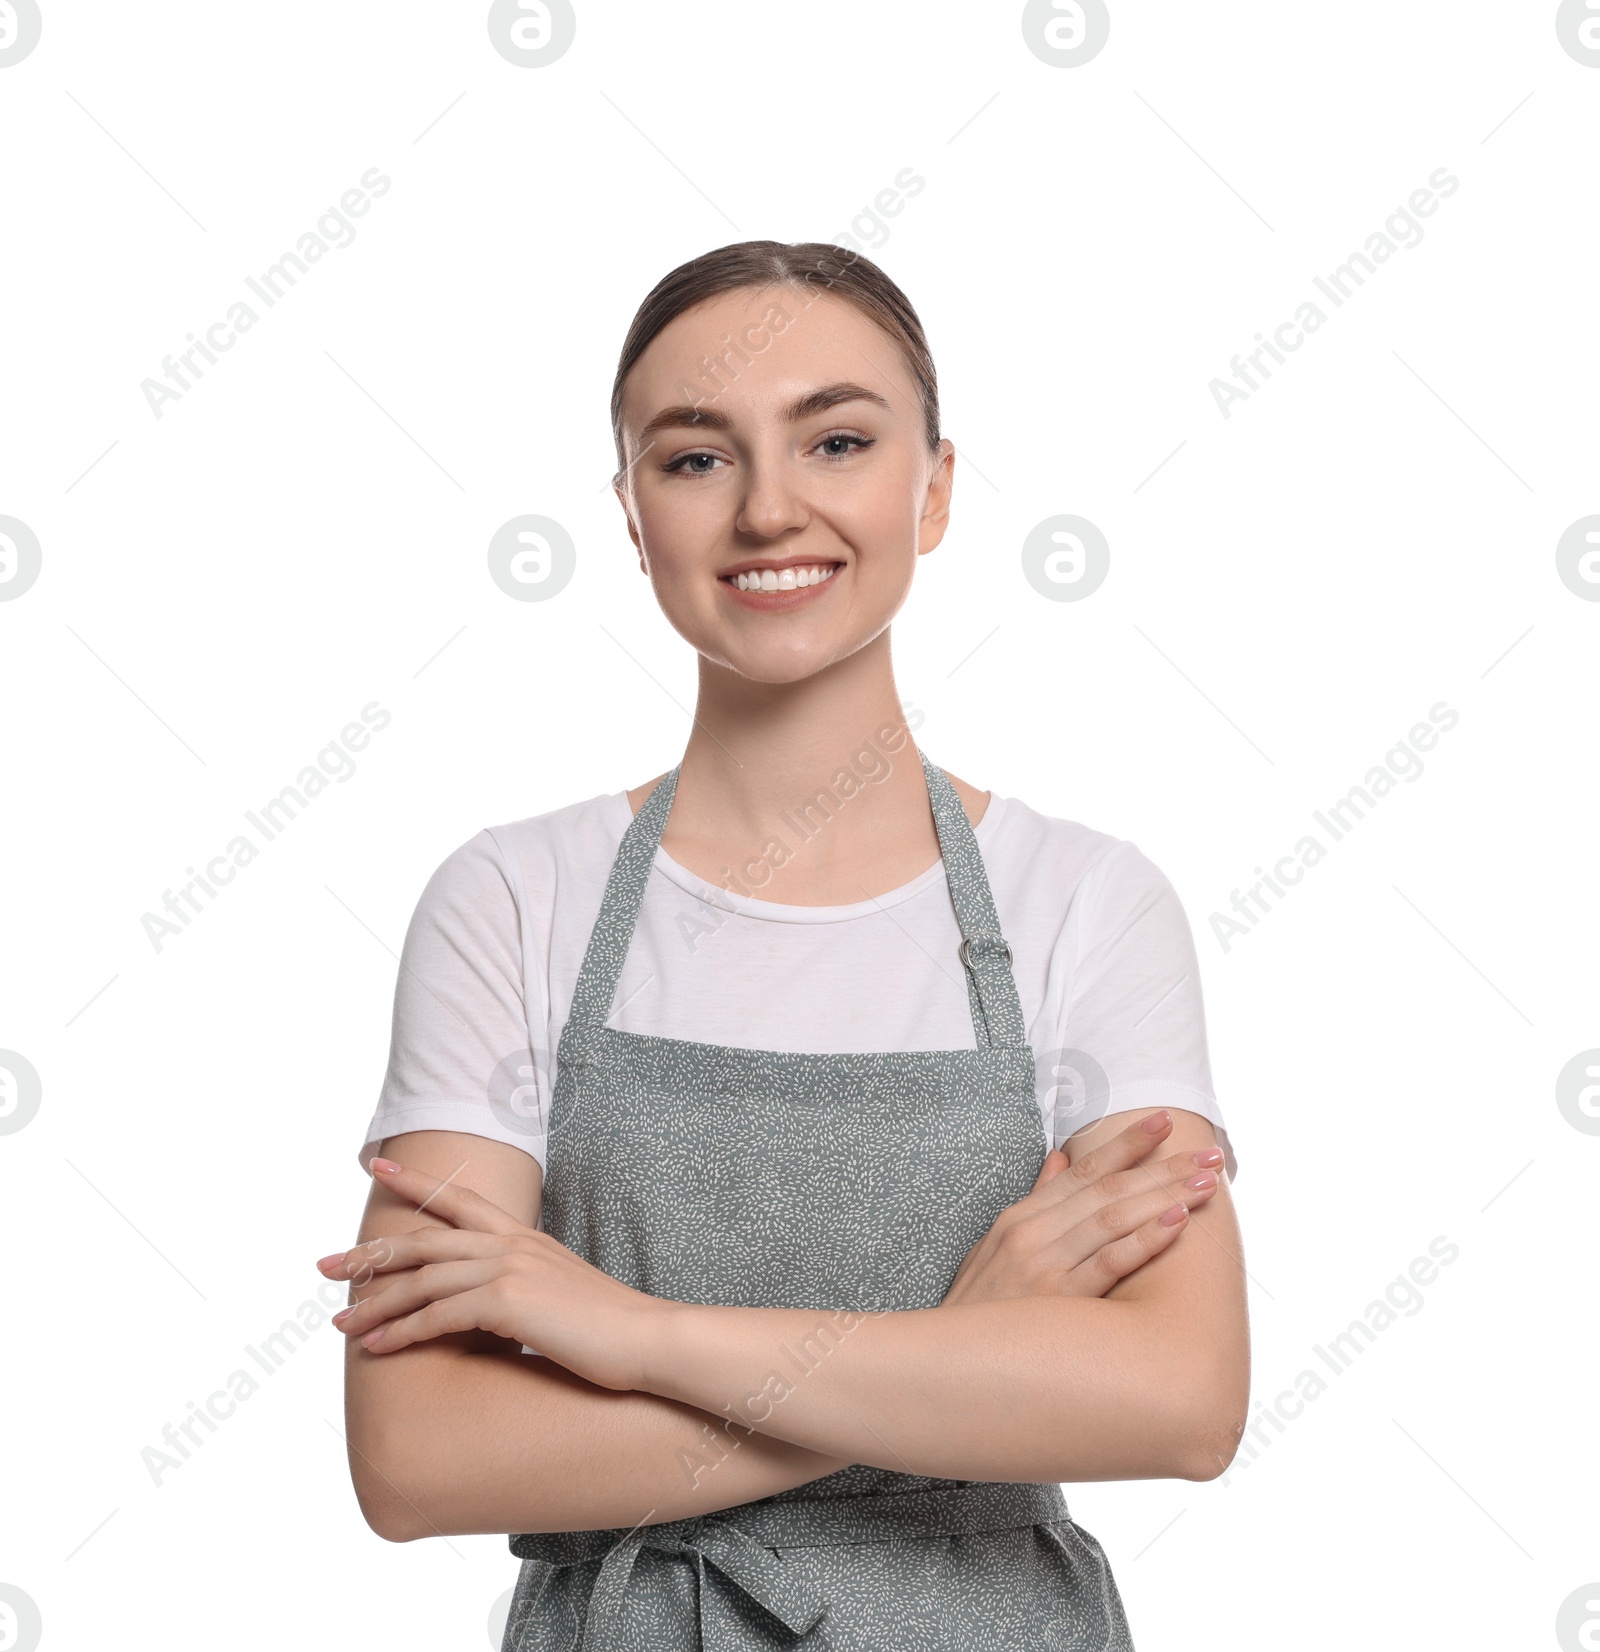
(1103, 957)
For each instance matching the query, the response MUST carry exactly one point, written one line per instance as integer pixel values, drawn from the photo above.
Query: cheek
(881, 521)
(677, 529)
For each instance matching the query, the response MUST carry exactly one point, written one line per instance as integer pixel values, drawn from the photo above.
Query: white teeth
(781, 579)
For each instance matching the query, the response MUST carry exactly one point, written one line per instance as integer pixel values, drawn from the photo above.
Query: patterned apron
(703, 1173)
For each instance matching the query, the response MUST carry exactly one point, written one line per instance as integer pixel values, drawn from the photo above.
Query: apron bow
(755, 1571)
(744, 1550)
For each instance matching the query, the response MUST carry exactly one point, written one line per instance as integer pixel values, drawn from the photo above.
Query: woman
(823, 1313)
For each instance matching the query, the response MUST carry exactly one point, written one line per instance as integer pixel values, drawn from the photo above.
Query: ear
(936, 505)
(633, 530)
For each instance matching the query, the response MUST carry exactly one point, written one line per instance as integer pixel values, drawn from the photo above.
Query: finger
(446, 1198)
(1124, 1150)
(411, 1250)
(406, 1296)
(1160, 1174)
(1127, 1147)
(1130, 1253)
(467, 1311)
(1075, 1233)
(1055, 1161)
(1124, 1161)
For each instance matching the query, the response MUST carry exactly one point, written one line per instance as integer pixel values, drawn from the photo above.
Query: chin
(769, 666)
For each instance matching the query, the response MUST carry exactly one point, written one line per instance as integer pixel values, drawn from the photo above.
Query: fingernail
(1209, 1156)
(1203, 1180)
(371, 1337)
(385, 1167)
(1155, 1122)
(1174, 1216)
(328, 1261)
(342, 1315)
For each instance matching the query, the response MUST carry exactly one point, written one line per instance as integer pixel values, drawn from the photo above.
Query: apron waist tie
(738, 1543)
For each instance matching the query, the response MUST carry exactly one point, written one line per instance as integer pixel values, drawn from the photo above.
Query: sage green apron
(709, 1174)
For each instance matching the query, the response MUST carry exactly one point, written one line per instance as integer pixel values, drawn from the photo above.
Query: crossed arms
(1013, 1377)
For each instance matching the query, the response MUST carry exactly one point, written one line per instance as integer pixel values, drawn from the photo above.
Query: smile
(768, 586)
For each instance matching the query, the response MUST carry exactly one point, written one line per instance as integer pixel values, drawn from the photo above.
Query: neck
(810, 792)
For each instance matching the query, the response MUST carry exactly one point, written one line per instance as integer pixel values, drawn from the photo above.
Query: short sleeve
(460, 1055)
(1136, 1016)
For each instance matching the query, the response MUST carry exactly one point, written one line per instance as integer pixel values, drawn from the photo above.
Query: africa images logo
(532, 33)
(1066, 34)
(20, 26)
(20, 557)
(1578, 30)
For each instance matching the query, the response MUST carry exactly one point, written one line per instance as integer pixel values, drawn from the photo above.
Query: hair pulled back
(812, 266)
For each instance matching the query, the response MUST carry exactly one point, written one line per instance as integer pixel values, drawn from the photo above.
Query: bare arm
(464, 1433)
(1150, 1380)
(1010, 1382)
(1200, 1286)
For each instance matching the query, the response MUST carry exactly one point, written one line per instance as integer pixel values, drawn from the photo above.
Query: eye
(842, 444)
(689, 464)
(854, 443)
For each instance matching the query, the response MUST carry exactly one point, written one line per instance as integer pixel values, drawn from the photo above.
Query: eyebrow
(687, 416)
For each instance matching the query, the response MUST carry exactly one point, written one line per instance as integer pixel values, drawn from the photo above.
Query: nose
(773, 503)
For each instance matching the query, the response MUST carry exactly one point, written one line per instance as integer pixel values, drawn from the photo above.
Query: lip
(779, 601)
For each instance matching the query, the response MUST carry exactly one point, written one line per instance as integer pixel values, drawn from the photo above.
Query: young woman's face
(807, 469)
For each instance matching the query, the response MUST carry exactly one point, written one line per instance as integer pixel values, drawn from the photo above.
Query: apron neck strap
(619, 906)
(984, 955)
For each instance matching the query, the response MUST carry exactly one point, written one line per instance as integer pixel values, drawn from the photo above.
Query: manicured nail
(1210, 1156)
(1203, 1179)
(342, 1315)
(328, 1261)
(1155, 1122)
(385, 1167)
(1174, 1216)
(371, 1337)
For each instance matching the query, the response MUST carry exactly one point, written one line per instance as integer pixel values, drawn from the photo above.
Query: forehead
(754, 348)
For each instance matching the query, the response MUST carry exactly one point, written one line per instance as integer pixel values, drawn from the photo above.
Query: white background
(304, 532)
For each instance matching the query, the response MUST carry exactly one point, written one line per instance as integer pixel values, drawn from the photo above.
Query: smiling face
(781, 522)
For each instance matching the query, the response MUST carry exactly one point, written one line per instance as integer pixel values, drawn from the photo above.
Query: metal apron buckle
(984, 940)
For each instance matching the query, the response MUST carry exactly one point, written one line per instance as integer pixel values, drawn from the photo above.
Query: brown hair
(806, 264)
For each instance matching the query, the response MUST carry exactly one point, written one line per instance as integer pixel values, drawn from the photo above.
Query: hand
(1087, 1225)
(490, 1272)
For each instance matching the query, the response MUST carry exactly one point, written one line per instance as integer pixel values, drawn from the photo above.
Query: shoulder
(1075, 870)
(974, 799)
(538, 850)
(1056, 846)
(640, 795)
